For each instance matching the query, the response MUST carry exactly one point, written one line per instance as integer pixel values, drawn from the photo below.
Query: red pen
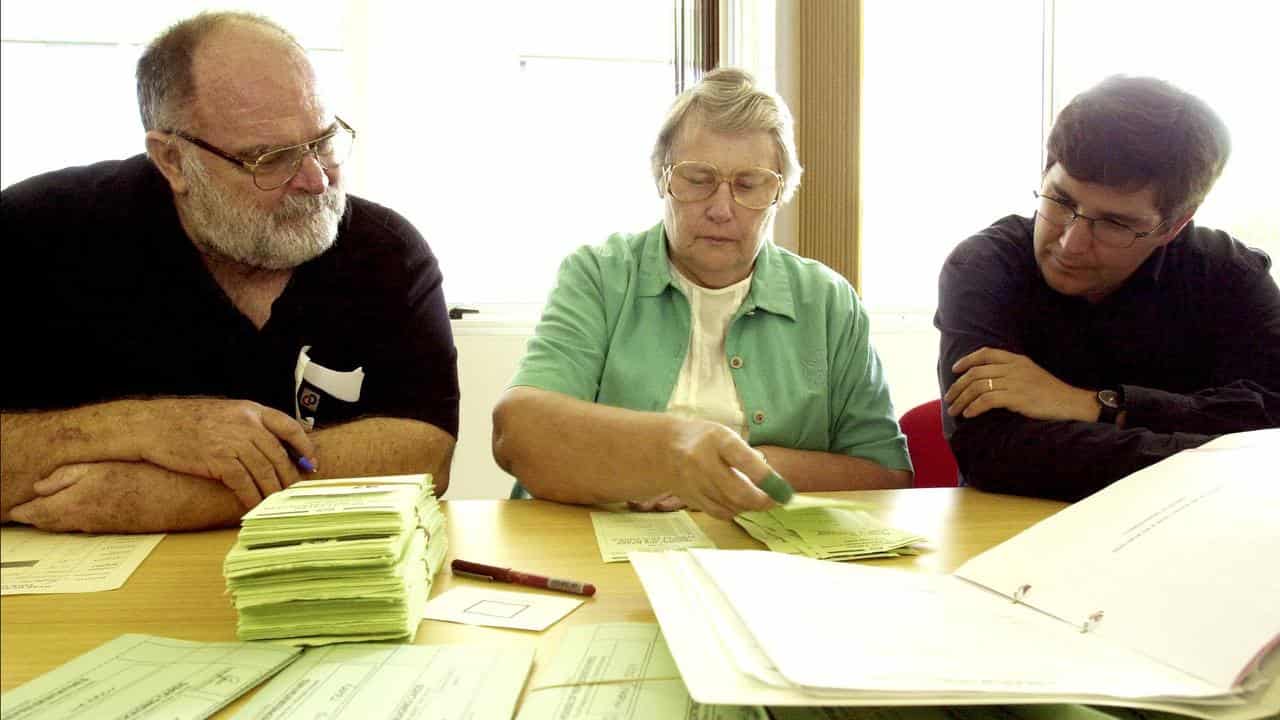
(489, 572)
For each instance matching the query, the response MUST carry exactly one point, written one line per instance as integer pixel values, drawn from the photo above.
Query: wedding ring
(991, 384)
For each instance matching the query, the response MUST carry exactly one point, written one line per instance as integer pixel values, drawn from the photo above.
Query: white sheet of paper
(619, 533)
(496, 608)
(367, 681)
(36, 562)
(141, 676)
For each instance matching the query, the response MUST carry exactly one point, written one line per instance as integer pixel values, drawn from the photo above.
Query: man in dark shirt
(1109, 331)
(184, 327)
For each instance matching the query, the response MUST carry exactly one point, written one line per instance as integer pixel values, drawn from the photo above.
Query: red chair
(930, 454)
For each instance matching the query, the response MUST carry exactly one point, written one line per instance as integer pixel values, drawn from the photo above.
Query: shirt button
(735, 362)
(758, 417)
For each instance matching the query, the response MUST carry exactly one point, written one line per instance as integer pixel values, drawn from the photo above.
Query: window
(508, 133)
(956, 110)
(509, 148)
(951, 117)
(1216, 52)
(80, 106)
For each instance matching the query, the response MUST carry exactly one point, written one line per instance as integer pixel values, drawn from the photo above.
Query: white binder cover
(1186, 549)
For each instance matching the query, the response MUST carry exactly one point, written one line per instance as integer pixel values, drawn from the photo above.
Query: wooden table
(179, 592)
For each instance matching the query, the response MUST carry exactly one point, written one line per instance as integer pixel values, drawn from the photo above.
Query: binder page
(848, 627)
(1177, 561)
(405, 682)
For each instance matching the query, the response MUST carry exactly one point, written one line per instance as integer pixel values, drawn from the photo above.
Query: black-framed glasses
(754, 188)
(1107, 232)
(277, 167)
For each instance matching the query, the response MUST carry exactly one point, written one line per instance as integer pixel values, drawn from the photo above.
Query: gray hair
(728, 100)
(166, 86)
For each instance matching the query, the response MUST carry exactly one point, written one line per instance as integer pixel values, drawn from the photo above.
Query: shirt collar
(770, 281)
(1150, 271)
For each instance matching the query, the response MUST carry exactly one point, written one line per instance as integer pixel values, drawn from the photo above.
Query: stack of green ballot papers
(829, 531)
(330, 561)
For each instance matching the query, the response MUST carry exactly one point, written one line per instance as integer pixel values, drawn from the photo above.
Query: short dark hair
(1130, 132)
(165, 82)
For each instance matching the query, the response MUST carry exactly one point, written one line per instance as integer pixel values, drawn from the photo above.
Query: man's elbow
(990, 475)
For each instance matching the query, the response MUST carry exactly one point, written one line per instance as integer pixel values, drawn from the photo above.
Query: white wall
(489, 349)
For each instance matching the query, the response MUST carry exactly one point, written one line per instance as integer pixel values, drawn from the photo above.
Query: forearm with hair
(385, 446)
(37, 443)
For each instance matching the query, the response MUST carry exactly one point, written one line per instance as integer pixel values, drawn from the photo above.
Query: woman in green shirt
(678, 365)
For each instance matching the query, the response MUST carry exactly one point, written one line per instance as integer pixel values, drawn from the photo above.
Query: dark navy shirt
(1192, 339)
(106, 298)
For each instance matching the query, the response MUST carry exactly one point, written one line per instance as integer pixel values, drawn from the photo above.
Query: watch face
(1109, 398)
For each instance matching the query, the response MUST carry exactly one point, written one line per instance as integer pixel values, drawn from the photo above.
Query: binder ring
(1020, 593)
(1093, 620)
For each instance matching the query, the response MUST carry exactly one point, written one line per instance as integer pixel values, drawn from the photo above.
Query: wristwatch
(1112, 402)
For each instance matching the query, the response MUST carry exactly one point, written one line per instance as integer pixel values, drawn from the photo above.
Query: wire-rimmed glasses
(277, 167)
(754, 188)
(1106, 232)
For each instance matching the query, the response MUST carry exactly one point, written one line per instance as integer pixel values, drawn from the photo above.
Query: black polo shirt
(1192, 338)
(106, 298)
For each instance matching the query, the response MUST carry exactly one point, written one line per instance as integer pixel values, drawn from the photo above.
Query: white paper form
(619, 671)
(619, 533)
(497, 608)
(36, 562)
(141, 677)
(406, 682)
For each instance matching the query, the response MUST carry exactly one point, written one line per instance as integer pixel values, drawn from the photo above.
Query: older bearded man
(185, 325)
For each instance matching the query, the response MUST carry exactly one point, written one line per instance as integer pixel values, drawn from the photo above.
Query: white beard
(301, 228)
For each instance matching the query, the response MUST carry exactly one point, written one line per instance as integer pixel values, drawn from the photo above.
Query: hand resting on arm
(238, 443)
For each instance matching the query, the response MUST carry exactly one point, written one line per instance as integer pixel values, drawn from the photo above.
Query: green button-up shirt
(616, 329)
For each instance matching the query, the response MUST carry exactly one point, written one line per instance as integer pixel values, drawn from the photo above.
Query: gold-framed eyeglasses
(1109, 233)
(754, 188)
(277, 167)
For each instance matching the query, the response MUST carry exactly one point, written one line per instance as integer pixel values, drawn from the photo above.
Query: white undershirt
(705, 387)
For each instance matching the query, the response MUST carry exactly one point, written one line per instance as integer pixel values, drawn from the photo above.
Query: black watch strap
(1112, 403)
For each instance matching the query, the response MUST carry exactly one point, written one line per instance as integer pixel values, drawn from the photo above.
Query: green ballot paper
(330, 561)
(824, 528)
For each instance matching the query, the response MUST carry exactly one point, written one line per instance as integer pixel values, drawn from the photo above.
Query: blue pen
(303, 462)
